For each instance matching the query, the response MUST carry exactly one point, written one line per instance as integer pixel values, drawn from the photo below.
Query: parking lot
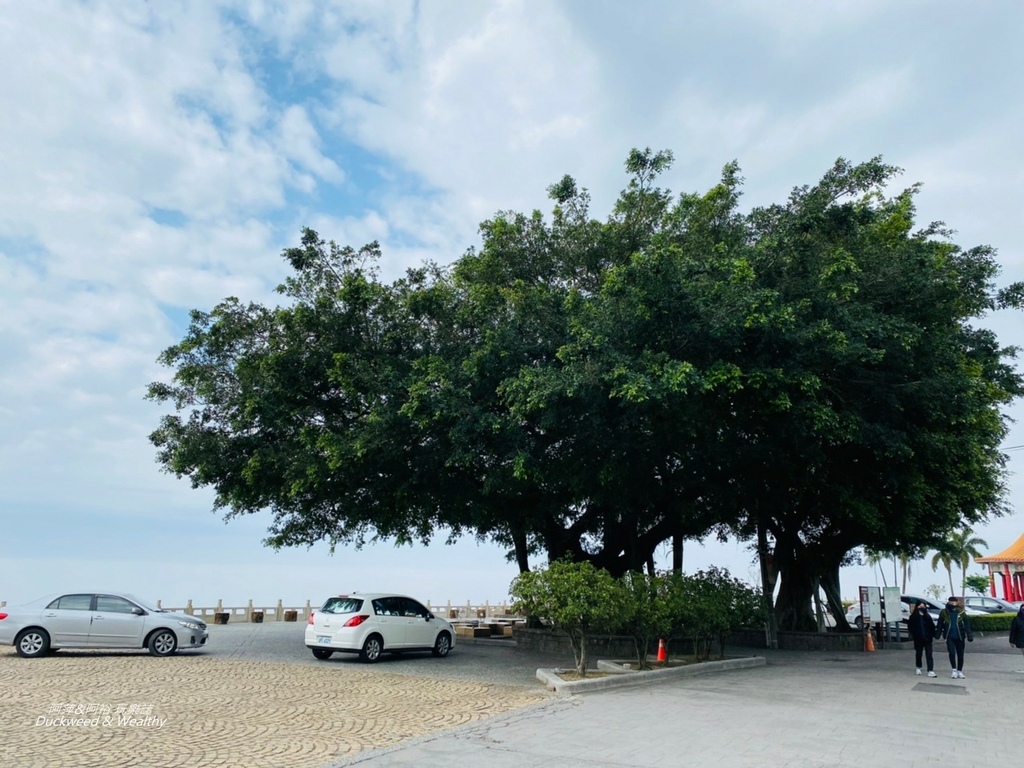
(254, 697)
(257, 697)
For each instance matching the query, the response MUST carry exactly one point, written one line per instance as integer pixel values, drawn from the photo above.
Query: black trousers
(924, 646)
(956, 653)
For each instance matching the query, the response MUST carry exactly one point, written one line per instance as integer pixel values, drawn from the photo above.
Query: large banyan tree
(807, 374)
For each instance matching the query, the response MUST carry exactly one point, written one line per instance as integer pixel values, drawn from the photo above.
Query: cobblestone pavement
(235, 706)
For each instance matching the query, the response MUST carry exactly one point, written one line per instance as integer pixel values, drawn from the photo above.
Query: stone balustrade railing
(259, 612)
(256, 612)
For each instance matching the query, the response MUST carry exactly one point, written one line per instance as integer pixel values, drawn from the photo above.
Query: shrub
(713, 603)
(650, 611)
(992, 622)
(576, 598)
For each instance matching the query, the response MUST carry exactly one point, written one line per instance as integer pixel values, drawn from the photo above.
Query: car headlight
(190, 624)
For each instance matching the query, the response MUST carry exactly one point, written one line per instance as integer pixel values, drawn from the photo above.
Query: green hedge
(992, 622)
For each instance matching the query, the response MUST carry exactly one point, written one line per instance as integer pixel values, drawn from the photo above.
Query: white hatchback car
(374, 623)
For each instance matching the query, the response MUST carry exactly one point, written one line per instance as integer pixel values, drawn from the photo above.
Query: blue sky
(157, 157)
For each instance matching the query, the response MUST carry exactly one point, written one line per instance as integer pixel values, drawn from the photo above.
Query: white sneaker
(954, 675)
(932, 674)
(960, 674)
(918, 671)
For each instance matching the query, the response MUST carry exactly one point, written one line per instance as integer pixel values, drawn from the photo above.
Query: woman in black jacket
(922, 630)
(1017, 631)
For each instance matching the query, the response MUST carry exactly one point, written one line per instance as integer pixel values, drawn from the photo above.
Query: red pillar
(1008, 589)
(1018, 588)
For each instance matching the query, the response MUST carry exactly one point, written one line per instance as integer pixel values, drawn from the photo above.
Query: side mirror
(429, 616)
(138, 611)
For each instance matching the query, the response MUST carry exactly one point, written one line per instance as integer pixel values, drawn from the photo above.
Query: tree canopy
(808, 372)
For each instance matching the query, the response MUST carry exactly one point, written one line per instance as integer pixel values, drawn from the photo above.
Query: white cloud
(157, 156)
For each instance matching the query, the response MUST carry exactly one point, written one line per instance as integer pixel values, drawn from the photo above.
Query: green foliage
(959, 548)
(588, 389)
(992, 622)
(711, 603)
(653, 611)
(977, 583)
(576, 598)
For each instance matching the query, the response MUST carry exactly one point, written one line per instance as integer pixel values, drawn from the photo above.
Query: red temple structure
(1009, 566)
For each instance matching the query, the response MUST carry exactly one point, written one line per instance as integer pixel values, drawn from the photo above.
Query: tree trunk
(677, 552)
(833, 595)
(768, 576)
(796, 591)
(521, 548)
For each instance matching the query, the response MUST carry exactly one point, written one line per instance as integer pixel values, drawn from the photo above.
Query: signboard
(893, 605)
(870, 605)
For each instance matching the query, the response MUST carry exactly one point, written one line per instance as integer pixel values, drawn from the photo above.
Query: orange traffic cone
(662, 654)
(869, 642)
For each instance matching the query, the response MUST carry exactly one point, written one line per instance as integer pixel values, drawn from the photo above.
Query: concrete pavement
(806, 710)
(256, 697)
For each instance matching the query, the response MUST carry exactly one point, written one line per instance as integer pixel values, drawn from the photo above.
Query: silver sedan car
(97, 620)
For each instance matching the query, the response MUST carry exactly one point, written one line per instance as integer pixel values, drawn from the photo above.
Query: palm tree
(959, 549)
(963, 547)
(905, 561)
(946, 558)
(874, 559)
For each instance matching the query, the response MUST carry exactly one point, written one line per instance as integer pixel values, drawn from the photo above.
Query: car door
(115, 624)
(68, 620)
(419, 630)
(388, 612)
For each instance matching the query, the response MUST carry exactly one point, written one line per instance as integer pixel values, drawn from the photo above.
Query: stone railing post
(248, 611)
(279, 613)
(188, 607)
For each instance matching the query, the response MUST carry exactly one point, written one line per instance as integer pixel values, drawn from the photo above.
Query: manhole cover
(939, 688)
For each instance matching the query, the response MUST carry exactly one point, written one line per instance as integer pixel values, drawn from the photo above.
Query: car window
(112, 604)
(342, 605)
(412, 608)
(72, 603)
(388, 606)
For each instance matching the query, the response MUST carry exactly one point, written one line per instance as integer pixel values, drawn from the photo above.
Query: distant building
(1009, 566)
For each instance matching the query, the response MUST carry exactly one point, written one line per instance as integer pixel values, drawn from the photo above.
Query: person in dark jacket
(922, 630)
(954, 627)
(1017, 632)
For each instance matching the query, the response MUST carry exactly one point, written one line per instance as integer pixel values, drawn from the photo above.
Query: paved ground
(807, 710)
(256, 697)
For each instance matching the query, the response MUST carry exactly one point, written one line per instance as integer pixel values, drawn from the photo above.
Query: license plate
(323, 639)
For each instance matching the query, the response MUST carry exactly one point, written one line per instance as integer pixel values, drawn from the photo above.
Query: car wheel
(372, 649)
(322, 653)
(859, 622)
(442, 645)
(32, 643)
(163, 643)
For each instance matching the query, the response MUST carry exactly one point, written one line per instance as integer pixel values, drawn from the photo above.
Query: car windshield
(342, 605)
(143, 603)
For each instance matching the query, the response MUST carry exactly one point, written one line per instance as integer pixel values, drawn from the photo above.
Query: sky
(157, 157)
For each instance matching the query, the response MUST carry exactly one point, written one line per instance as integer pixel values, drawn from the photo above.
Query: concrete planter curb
(621, 677)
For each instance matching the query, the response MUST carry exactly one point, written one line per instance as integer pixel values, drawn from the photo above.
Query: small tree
(977, 583)
(651, 613)
(713, 603)
(576, 598)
